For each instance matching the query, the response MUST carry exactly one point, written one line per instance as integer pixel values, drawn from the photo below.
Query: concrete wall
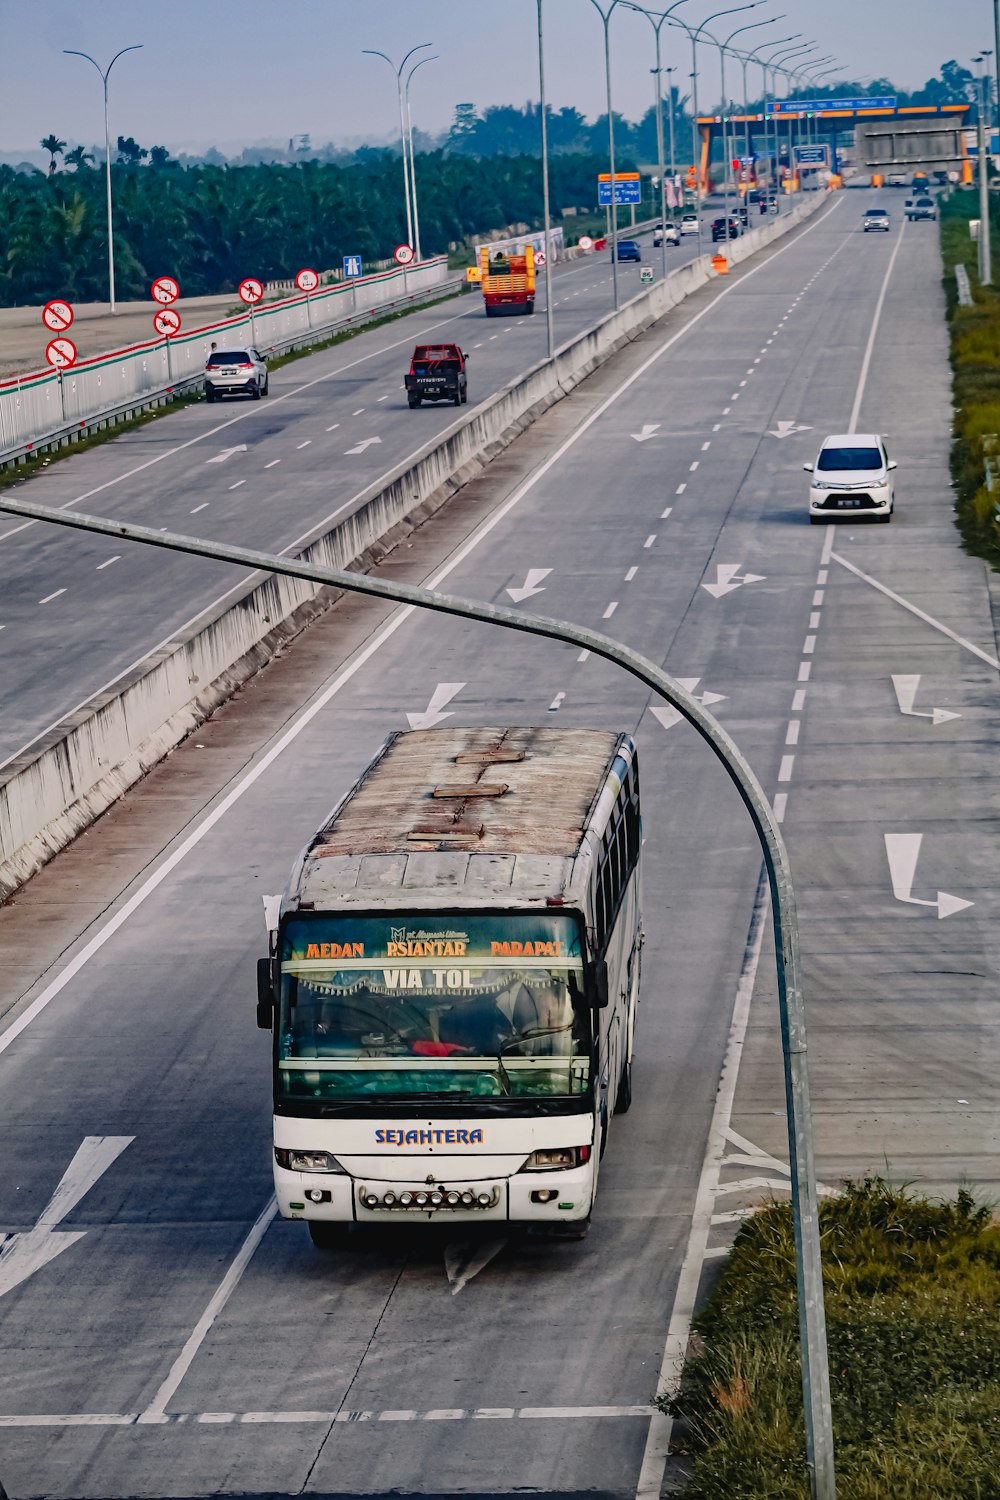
(88, 761)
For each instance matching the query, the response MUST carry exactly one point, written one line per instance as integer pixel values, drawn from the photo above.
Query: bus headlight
(306, 1161)
(559, 1159)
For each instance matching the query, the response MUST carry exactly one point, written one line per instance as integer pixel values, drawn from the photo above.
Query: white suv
(689, 224)
(235, 372)
(851, 477)
(668, 233)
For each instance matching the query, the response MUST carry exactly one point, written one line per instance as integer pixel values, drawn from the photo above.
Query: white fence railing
(43, 402)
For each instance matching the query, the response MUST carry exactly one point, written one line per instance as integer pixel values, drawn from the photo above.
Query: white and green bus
(452, 984)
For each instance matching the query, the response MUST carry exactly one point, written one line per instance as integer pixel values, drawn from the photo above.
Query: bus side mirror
(265, 995)
(599, 994)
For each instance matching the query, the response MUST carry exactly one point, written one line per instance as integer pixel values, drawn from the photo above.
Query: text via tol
(416, 979)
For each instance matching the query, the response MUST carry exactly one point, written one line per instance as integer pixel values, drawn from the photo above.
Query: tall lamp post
(750, 57)
(371, 52)
(657, 21)
(413, 165)
(723, 49)
(695, 35)
(985, 255)
(776, 65)
(72, 52)
(550, 334)
(605, 16)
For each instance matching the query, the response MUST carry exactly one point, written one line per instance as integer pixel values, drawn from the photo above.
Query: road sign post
(307, 281)
(251, 291)
(57, 316)
(167, 322)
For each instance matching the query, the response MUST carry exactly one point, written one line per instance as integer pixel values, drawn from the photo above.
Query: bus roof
(490, 814)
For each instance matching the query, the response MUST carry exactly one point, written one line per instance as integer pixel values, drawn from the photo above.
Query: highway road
(167, 1336)
(74, 617)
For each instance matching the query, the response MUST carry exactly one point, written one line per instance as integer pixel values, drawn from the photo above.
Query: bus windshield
(432, 1006)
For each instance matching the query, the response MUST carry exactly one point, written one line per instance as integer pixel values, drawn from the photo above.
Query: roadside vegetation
(913, 1319)
(975, 361)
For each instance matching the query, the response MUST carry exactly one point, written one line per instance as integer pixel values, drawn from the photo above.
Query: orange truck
(508, 281)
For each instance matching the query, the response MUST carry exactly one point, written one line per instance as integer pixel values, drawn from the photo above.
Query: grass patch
(913, 1321)
(39, 463)
(975, 363)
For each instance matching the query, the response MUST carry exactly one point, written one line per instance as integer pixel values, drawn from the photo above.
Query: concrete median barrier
(66, 780)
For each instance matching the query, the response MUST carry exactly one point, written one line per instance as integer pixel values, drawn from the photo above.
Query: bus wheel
(328, 1234)
(623, 1100)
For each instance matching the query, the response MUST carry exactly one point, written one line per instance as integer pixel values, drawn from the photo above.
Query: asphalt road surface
(165, 1336)
(76, 615)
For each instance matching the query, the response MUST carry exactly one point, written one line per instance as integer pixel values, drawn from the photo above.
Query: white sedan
(667, 234)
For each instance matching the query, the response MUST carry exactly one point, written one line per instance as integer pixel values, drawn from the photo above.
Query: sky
(231, 72)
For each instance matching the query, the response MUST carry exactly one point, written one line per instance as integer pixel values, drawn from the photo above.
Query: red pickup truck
(437, 373)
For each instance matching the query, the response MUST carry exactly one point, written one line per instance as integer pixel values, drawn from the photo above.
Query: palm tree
(55, 147)
(78, 158)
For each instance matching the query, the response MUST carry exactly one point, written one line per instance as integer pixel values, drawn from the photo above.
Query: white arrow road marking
(21, 1255)
(906, 693)
(649, 429)
(903, 851)
(464, 1260)
(442, 694)
(530, 585)
(364, 443)
(220, 458)
(727, 579)
(669, 716)
(788, 429)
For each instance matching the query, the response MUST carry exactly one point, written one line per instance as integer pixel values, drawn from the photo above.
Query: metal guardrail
(47, 409)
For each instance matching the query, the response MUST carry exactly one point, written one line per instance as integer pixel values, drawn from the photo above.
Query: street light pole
(605, 16)
(413, 164)
(764, 64)
(775, 64)
(657, 22)
(791, 1005)
(71, 52)
(371, 52)
(546, 207)
(723, 49)
(985, 251)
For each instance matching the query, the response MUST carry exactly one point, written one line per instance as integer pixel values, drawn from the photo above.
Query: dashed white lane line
(610, 610)
(725, 413)
(557, 700)
(706, 445)
(822, 576)
(799, 700)
(785, 769)
(694, 465)
(792, 735)
(742, 384)
(335, 425)
(49, 597)
(631, 574)
(237, 484)
(477, 346)
(780, 805)
(649, 540)
(920, 614)
(309, 440)
(327, 1418)
(681, 488)
(805, 669)
(665, 514)
(735, 396)
(494, 335)
(101, 566)
(358, 412)
(717, 427)
(814, 620)
(809, 645)
(383, 398)
(818, 599)
(202, 506)
(272, 463)
(583, 656)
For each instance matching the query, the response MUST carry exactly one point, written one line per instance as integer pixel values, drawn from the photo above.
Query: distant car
(852, 477)
(666, 234)
(629, 250)
(896, 179)
(437, 373)
(689, 224)
(721, 232)
(235, 372)
(875, 218)
(920, 208)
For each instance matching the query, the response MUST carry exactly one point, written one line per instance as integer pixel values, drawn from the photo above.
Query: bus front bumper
(520, 1198)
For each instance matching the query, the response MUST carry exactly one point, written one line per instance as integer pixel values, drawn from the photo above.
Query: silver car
(876, 218)
(235, 372)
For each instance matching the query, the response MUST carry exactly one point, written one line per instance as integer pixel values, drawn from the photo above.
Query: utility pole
(985, 255)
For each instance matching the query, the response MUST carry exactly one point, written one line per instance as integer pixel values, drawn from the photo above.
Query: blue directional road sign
(812, 156)
(352, 265)
(814, 106)
(628, 188)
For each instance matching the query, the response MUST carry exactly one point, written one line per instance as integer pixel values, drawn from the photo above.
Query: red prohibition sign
(307, 280)
(61, 353)
(165, 290)
(251, 290)
(167, 321)
(403, 254)
(57, 316)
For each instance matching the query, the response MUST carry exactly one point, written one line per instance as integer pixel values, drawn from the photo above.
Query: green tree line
(211, 226)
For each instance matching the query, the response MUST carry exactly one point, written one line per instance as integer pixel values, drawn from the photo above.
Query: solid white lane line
(328, 1418)
(657, 1449)
(49, 597)
(785, 769)
(920, 614)
(799, 700)
(650, 540)
(273, 462)
(610, 610)
(157, 1407)
(852, 425)
(101, 566)
(202, 506)
(792, 736)
(631, 574)
(308, 441)
(237, 484)
(823, 575)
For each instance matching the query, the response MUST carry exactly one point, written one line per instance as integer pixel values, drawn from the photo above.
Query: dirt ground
(23, 335)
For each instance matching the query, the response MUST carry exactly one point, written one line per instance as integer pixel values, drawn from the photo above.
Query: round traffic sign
(57, 316)
(539, 257)
(165, 290)
(167, 322)
(251, 290)
(307, 280)
(403, 254)
(61, 353)
(585, 242)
